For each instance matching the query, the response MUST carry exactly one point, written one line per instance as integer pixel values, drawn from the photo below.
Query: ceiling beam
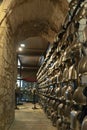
(29, 79)
(27, 65)
(31, 53)
(34, 49)
(29, 68)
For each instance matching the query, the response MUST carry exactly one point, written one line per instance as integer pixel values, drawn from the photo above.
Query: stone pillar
(8, 73)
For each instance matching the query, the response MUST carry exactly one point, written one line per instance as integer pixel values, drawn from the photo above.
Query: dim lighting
(20, 49)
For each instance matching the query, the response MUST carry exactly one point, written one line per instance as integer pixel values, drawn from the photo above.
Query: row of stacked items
(63, 95)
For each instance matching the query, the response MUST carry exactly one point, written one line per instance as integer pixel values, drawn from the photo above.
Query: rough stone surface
(36, 17)
(7, 77)
(20, 19)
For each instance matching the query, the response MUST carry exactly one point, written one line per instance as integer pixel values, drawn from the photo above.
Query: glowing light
(22, 45)
(20, 49)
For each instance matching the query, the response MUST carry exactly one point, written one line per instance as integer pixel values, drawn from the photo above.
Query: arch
(20, 19)
(44, 17)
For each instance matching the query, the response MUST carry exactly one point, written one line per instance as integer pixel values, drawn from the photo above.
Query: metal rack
(57, 93)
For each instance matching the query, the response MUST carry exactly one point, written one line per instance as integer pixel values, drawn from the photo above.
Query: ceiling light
(22, 45)
(20, 49)
(22, 67)
(69, 1)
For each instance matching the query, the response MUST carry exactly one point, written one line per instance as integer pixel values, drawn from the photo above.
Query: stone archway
(20, 19)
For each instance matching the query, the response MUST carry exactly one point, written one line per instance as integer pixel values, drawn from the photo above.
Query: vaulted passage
(31, 21)
(39, 41)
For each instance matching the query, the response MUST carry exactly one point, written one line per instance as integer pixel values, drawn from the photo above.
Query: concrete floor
(28, 119)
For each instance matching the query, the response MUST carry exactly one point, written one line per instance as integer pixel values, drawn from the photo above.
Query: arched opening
(24, 20)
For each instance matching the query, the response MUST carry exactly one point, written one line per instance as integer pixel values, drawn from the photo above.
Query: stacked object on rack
(60, 85)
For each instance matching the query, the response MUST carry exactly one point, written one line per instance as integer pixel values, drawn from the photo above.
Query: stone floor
(27, 118)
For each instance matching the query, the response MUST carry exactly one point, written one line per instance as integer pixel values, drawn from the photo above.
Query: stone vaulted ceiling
(38, 19)
(35, 17)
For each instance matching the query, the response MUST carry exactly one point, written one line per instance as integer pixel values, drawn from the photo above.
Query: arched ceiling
(38, 19)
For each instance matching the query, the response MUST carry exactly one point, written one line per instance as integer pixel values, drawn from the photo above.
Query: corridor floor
(27, 118)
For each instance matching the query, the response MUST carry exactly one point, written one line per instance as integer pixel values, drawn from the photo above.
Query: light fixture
(20, 49)
(69, 1)
(22, 45)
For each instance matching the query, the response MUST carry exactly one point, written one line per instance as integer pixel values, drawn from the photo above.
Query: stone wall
(86, 33)
(8, 73)
(46, 23)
